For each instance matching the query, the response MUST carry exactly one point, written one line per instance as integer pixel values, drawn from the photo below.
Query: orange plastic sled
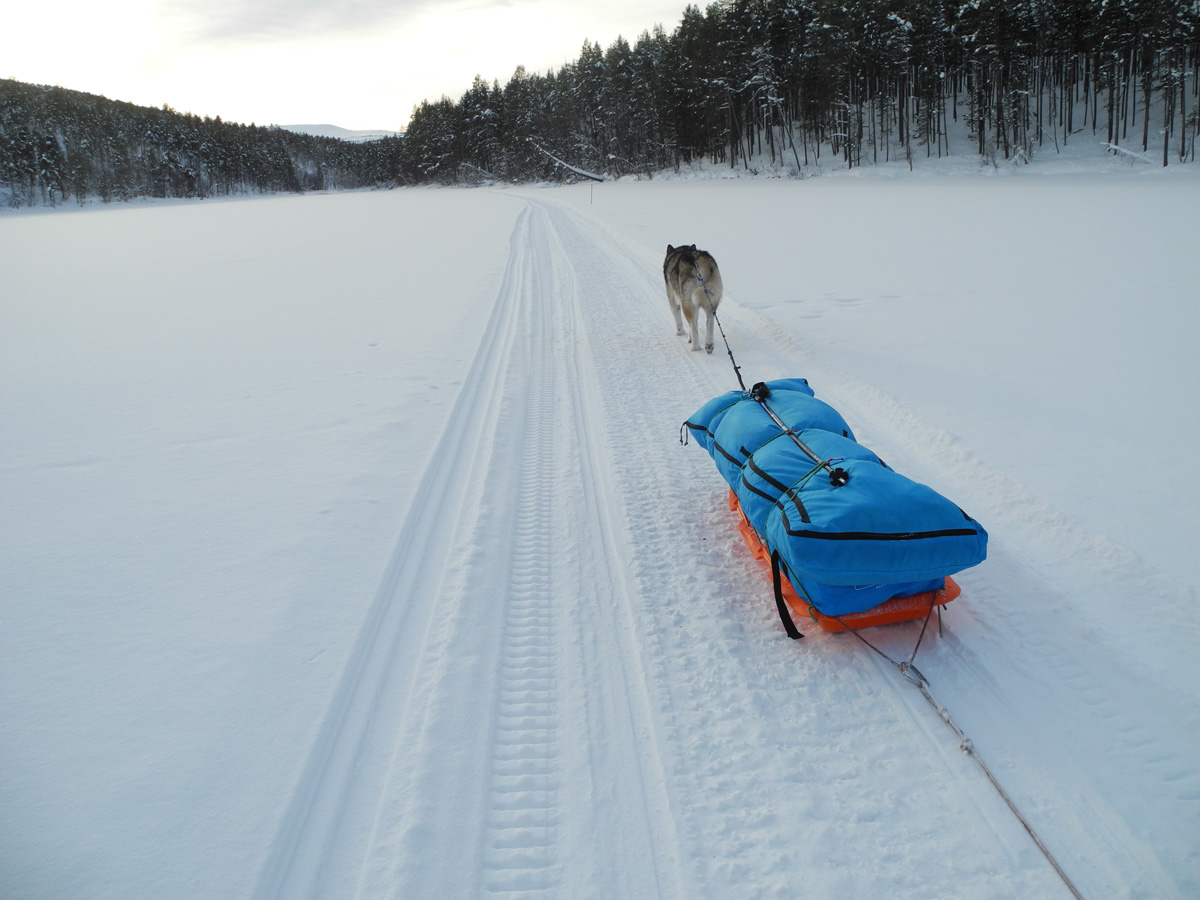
(898, 609)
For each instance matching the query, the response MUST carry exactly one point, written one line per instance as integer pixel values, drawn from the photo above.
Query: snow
(349, 549)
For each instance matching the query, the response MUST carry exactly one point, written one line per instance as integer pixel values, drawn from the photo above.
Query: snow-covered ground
(348, 548)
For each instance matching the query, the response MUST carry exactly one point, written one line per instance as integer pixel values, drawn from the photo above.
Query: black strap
(788, 625)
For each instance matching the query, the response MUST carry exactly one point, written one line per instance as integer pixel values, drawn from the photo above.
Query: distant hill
(342, 134)
(57, 144)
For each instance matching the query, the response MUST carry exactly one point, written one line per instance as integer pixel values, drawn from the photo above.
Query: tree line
(775, 84)
(59, 145)
(778, 83)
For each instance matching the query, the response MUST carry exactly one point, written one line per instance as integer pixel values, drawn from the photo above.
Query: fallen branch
(1138, 156)
(566, 165)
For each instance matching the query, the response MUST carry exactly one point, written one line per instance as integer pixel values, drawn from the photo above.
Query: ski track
(594, 698)
(322, 820)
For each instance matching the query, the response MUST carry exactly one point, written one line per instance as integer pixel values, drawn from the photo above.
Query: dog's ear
(670, 249)
(691, 246)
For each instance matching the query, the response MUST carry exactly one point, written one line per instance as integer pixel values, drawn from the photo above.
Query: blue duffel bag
(852, 532)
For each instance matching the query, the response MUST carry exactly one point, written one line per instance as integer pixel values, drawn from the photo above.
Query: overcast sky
(360, 64)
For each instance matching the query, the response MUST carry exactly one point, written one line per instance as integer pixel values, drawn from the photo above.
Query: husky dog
(693, 285)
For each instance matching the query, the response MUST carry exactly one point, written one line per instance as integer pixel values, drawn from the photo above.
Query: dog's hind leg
(676, 311)
(709, 315)
(692, 311)
(696, 306)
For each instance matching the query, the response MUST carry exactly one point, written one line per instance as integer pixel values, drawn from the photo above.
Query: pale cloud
(355, 63)
(241, 21)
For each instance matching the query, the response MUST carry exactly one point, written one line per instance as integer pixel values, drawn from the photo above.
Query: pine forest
(760, 85)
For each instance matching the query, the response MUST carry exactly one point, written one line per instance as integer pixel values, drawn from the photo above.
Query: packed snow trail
(572, 683)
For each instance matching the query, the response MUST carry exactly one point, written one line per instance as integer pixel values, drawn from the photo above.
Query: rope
(808, 476)
(760, 392)
(921, 636)
(968, 747)
(912, 674)
(837, 477)
(737, 370)
(905, 668)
